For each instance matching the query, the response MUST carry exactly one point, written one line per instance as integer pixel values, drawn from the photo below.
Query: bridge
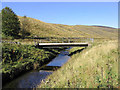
(62, 44)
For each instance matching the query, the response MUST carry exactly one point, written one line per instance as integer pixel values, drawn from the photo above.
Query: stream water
(33, 78)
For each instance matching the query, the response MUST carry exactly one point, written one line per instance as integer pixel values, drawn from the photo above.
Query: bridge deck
(62, 44)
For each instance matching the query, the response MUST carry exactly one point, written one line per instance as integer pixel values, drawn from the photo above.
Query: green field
(95, 67)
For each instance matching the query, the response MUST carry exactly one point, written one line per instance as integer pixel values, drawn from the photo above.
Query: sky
(69, 13)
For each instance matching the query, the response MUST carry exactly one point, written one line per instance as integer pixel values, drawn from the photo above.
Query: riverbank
(95, 67)
(19, 59)
(75, 50)
(32, 78)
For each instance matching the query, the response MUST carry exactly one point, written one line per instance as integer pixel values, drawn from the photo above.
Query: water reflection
(29, 80)
(60, 59)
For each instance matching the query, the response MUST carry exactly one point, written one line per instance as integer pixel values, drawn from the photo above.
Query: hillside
(41, 29)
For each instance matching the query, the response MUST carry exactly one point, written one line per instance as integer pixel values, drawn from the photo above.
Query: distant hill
(38, 28)
(104, 26)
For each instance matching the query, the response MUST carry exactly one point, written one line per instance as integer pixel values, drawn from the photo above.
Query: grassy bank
(75, 50)
(17, 59)
(95, 67)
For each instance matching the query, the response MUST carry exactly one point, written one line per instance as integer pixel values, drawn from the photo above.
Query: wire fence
(48, 40)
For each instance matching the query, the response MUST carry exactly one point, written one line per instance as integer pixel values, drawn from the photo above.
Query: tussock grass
(95, 67)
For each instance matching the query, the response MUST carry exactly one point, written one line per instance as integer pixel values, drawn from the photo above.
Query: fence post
(62, 40)
(69, 40)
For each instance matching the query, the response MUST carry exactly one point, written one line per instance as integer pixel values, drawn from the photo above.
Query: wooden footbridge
(62, 44)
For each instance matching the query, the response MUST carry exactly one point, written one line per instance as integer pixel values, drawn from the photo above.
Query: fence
(49, 40)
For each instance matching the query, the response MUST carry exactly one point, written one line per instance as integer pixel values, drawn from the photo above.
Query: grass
(38, 28)
(95, 67)
(18, 59)
(17, 55)
(29, 56)
(75, 50)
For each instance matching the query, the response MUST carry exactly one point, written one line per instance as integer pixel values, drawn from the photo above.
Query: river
(33, 78)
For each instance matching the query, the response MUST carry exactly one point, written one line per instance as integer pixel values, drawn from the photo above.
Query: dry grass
(95, 67)
(42, 29)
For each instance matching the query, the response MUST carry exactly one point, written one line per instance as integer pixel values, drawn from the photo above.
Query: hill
(38, 28)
